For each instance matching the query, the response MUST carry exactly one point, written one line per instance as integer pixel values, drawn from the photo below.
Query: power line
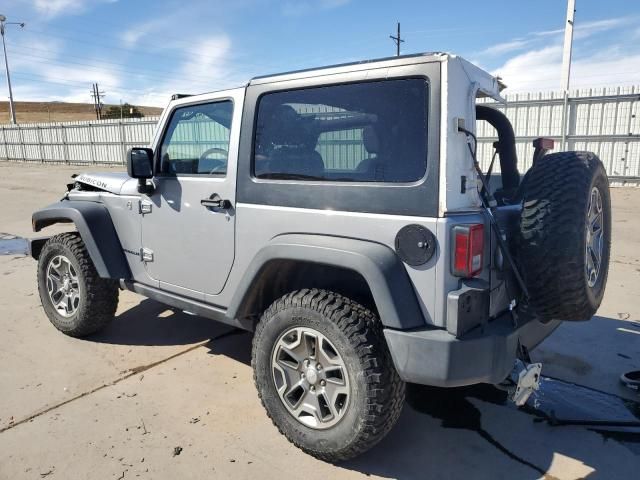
(180, 53)
(97, 95)
(164, 73)
(397, 40)
(28, 77)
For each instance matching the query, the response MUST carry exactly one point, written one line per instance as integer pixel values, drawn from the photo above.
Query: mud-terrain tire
(565, 235)
(375, 391)
(88, 303)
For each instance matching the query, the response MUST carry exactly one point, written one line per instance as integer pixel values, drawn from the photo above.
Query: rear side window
(360, 132)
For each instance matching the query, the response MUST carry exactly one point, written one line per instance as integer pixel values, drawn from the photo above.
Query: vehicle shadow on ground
(474, 432)
(470, 432)
(153, 323)
(235, 345)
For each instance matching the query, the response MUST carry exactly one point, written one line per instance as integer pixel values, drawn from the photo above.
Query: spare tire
(565, 235)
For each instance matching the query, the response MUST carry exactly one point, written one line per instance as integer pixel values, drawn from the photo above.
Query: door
(188, 222)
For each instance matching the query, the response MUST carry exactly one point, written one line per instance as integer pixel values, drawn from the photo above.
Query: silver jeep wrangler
(342, 216)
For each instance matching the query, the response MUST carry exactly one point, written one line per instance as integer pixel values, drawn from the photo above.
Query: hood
(109, 182)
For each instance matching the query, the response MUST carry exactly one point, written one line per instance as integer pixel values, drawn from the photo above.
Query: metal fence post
(23, 149)
(565, 105)
(600, 127)
(92, 146)
(4, 142)
(625, 159)
(572, 121)
(41, 145)
(65, 145)
(123, 142)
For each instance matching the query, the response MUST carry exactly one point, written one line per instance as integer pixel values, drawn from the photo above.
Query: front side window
(197, 139)
(361, 132)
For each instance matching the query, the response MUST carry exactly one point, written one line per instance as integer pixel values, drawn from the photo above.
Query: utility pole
(397, 40)
(566, 65)
(3, 22)
(96, 94)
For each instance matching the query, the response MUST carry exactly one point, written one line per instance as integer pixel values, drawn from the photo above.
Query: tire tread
(551, 242)
(385, 389)
(101, 295)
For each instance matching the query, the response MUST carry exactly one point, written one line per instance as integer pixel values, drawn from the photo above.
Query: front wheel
(77, 301)
(324, 374)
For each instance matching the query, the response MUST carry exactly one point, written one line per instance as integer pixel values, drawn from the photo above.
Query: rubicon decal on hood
(109, 182)
(91, 181)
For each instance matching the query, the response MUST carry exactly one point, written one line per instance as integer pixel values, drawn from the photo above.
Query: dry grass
(33, 112)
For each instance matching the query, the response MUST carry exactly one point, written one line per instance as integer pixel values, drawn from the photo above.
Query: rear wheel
(77, 301)
(324, 374)
(565, 235)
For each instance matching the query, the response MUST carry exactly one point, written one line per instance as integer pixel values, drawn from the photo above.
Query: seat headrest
(370, 139)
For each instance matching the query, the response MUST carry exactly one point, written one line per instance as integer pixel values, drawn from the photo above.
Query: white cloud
(54, 8)
(206, 59)
(607, 63)
(143, 29)
(540, 69)
(207, 62)
(505, 47)
(583, 30)
(527, 70)
(586, 29)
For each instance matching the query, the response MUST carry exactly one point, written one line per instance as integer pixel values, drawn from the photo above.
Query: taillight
(468, 248)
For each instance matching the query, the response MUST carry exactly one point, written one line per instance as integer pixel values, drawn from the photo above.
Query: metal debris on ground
(631, 379)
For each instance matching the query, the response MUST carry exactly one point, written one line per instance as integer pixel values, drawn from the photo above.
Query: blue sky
(141, 51)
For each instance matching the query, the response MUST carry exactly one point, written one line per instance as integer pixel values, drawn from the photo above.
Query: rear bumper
(484, 355)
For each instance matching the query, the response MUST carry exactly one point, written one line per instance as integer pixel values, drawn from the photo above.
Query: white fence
(604, 121)
(100, 141)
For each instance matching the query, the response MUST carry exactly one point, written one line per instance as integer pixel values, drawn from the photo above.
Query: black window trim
(335, 182)
(421, 200)
(158, 159)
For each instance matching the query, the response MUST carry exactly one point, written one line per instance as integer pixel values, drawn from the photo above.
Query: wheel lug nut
(302, 375)
(313, 389)
(323, 383)
(318, 367)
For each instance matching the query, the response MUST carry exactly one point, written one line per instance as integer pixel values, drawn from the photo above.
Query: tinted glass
(363, 132)
(197, 139)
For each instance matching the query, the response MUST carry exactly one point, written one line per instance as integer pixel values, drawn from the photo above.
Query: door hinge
(145, 207)
(146, 255)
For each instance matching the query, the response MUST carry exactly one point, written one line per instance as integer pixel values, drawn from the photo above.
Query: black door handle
(214, 201)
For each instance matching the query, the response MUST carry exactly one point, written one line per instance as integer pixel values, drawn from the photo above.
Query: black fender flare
(381, 268)
(94, 224)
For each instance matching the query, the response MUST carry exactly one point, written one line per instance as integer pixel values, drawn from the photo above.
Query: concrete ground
(119, 404)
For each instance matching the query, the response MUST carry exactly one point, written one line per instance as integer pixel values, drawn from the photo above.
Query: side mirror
(140, 166)
(140, 163)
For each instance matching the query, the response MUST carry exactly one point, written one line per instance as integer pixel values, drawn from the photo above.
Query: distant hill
(33, 112)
